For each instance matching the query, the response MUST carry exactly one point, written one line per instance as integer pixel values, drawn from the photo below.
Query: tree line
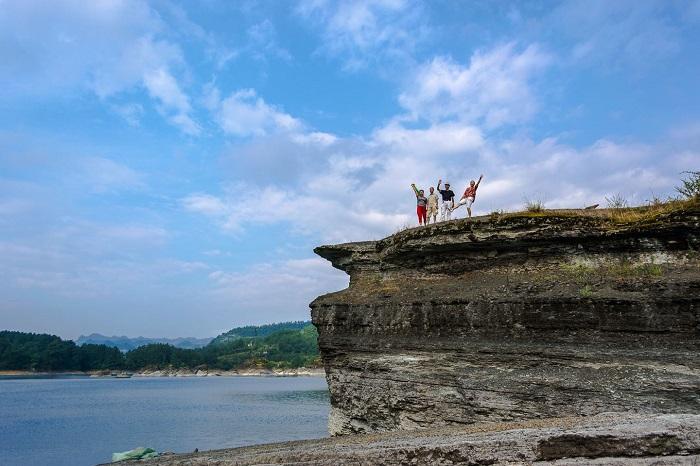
(41, 352)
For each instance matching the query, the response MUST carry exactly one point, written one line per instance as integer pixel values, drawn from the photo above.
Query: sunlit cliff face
(514, 316)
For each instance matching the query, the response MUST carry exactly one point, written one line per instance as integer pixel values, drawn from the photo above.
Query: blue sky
(167, 167)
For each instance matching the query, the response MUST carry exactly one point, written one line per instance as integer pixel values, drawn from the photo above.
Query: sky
(166, 168)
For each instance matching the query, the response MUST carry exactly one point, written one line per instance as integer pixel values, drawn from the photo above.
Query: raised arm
(438, 186)
(415, 190)
(480, 177)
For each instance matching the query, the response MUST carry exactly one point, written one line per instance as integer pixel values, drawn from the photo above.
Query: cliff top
(607, 219)
(502, 227)
(570, 252)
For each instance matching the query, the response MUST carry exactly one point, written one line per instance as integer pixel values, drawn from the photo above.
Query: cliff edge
(511, 317)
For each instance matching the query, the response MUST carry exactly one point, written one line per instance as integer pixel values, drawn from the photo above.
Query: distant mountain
(127, 343)
(258, 331)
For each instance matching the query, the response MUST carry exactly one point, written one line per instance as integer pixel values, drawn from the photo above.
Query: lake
(77, 421)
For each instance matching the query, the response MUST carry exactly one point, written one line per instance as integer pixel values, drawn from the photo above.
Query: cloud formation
(108, 48)
(364, 32)
(619, 33)
(244, 113)
(492, 90)
(271, 290)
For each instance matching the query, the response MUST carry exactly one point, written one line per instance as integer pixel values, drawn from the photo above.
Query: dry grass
(534, 205)
(616, 201)
(618, 216)
(404, 227)
(651, 211)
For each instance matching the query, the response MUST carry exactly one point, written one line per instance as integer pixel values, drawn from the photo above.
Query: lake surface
(82, 421)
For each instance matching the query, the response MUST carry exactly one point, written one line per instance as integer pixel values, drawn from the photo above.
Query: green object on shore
(139, 453)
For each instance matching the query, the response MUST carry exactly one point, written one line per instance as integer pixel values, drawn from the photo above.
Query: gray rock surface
(608, 439)
(514, 317)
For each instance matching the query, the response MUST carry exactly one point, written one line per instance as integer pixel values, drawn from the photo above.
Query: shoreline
(298, 372)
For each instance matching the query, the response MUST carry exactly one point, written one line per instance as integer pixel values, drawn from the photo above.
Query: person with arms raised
(448, 201)
(469, 196)
(422, 203)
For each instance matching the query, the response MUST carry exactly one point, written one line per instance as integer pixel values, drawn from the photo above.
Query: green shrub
(691, 185)
(586, 291)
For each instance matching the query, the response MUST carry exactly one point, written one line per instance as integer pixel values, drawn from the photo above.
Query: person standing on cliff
(433, 205)
(469, 196)
(448, 201)
(422, 203)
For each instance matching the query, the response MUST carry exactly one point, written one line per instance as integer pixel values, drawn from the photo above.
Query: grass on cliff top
(624, 215)
(607, 217)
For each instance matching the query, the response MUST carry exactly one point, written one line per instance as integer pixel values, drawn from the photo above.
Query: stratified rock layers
(514, 317)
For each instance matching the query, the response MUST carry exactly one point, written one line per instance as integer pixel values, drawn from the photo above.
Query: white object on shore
(139, 453)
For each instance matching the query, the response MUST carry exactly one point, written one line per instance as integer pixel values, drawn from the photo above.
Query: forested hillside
(258, 331)
(127, 344)
(278, 349)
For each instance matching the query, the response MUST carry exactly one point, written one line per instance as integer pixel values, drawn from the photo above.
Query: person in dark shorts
(421, 205)
(448, 201)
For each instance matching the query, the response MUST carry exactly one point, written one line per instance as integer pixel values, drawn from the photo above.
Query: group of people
(428, 207)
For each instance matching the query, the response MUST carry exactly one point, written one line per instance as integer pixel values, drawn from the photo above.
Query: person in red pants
(421, 205)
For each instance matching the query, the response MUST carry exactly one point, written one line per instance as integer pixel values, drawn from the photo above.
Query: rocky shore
(607, 439)
(233, 373)
(299, 372)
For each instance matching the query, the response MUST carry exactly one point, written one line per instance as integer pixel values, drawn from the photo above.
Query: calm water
(81, 421)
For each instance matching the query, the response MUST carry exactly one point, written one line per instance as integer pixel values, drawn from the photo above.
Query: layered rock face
(514, 317)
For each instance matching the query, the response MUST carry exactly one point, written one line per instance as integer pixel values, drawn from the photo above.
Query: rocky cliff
(515, 316)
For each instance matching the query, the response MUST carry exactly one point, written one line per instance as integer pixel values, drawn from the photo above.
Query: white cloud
(493, 90)
(315, 137)
(277, 291)
(205, 204)
(54, 48)
(367, 31)
(131, 112)
(436, 140)
(83, 258)
(623, 32)
(362, 190)
(322, 209)
(263, 42)
(243, 113)
(102, 174)
(162, 86)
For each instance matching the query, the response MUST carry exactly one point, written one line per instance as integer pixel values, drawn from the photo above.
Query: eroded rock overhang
(512, 317)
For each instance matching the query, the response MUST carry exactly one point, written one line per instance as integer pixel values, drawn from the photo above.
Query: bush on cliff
(691, 185)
